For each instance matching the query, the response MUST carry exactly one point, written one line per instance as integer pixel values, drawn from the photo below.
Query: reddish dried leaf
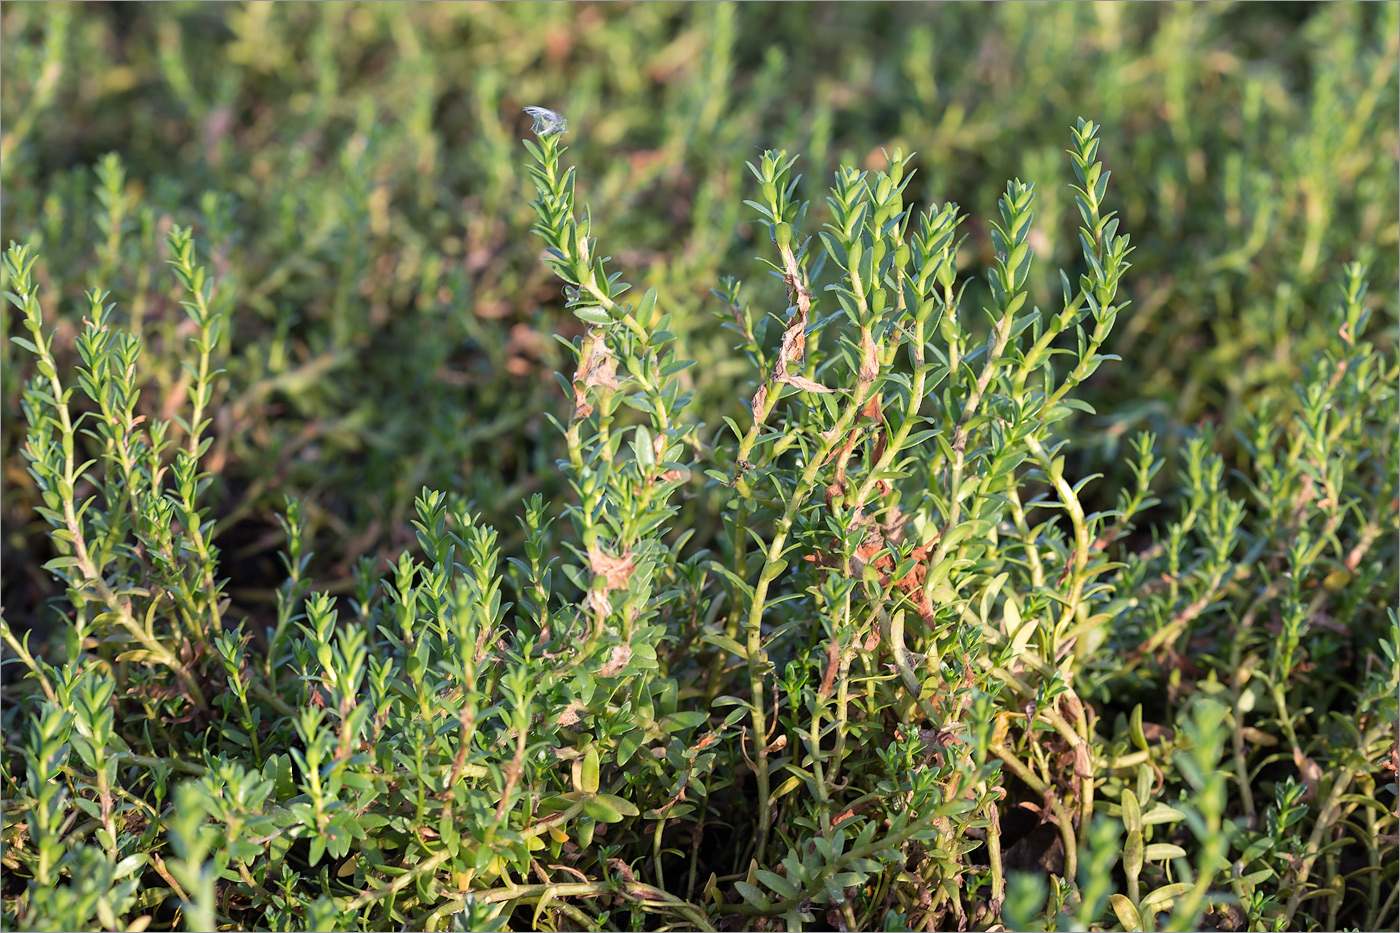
(805, 384)
(617, 661)
(616, 570)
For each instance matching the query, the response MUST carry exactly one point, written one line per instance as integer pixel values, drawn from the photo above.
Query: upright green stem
(68, 479)
(757, 660)
(1001, 335)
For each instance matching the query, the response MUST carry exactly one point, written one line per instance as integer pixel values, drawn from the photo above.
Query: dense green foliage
(981, 554)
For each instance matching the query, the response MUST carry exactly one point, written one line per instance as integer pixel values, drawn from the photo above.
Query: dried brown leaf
(805, 384)
(616, 570)
(621, 654)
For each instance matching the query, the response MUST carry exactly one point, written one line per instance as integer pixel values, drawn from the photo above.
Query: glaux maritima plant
(896, 659)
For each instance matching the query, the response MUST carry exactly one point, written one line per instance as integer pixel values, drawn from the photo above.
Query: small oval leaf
(589, 778)
(1127, 913)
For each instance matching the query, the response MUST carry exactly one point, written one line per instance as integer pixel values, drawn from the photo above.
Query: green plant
(870, 651)
(350, 175)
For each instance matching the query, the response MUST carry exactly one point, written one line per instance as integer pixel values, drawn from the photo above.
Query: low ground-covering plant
(912, 678)
(351, 174)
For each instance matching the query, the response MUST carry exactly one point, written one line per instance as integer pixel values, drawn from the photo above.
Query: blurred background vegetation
(354, 176)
